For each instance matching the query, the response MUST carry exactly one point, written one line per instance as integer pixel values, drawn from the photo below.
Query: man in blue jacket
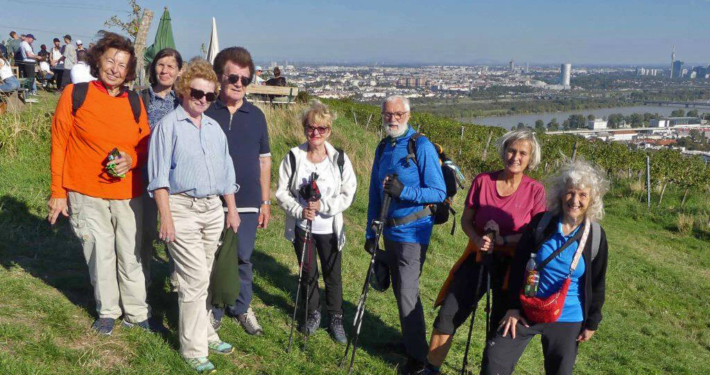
(407, 232)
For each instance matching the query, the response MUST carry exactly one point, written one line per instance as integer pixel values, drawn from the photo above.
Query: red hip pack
(549, 309)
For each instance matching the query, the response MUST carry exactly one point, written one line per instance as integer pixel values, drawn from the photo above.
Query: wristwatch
(268, 203)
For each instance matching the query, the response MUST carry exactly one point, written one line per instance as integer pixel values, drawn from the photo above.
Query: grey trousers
(405, 261)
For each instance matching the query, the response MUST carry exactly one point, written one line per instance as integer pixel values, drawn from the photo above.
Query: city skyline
(626, 32)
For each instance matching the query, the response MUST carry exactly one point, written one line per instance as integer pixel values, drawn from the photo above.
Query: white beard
(395, 133)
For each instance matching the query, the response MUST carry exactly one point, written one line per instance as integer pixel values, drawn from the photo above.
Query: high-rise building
(512, 65)
(677, 71)
(565, 74)
(672, 61)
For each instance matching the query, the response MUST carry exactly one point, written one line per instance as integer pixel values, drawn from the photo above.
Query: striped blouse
(191, 160)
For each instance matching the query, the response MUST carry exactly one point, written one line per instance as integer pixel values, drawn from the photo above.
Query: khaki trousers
(109, 231)
(198, 225)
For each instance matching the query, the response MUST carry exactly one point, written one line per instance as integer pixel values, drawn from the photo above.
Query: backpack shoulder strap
(145, 95)
(292, 162)
(380, 148)
(135, 101)
(412, 148)
(341, 160)
(78, 96)
(596, 239)
(541, 225)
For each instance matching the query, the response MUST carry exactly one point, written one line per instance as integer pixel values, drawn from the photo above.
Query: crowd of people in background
(57, 66)
(188, 162)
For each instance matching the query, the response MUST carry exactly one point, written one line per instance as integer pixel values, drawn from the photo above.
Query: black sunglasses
(199, 94)
(233, 78)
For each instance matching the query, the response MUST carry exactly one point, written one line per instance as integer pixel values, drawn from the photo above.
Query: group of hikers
(188, 161)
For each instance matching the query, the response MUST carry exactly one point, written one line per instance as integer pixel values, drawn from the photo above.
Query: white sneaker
(249, 322)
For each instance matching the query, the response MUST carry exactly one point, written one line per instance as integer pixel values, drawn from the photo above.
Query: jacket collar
(246, 106)
(332, 152)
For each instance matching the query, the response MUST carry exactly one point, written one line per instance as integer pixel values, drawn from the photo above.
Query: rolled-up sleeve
(160, 156)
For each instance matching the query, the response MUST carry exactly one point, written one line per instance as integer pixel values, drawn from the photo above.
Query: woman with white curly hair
(561, 297)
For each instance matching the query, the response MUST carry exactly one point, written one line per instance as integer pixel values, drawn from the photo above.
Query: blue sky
(535, 31)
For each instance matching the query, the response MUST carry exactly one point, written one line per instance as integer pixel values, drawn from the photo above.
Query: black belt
(426, 211)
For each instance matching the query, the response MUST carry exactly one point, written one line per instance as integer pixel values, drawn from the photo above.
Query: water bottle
(532, 277)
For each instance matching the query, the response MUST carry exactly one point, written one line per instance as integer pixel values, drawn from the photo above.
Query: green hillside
(655, 318)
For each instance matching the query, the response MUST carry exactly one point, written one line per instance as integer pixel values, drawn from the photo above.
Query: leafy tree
(692, 113)
(678, 113)
(521, 125)
(636, 120)
(591, 117)
(130, 25)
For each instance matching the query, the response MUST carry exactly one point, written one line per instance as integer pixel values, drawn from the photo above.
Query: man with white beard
(414, 182)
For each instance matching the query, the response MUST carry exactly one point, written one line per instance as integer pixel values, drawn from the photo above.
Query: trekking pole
(310, 193)
(473, 318)
(379, 226)
(307, 247)
(298, 288)
(484, 268)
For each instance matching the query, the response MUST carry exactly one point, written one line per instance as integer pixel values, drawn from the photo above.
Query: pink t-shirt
(511, 213)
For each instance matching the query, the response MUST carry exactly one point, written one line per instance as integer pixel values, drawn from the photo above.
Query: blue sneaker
(103, 326)
(149, 325)
(201, 365)
(220, 347)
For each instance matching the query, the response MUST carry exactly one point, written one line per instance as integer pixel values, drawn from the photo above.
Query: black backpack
(292, 161)
(453, 179)
(79, 95)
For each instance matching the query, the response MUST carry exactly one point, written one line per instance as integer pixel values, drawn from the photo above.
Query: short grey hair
(521, 135)
(578, 174)
(393, 98)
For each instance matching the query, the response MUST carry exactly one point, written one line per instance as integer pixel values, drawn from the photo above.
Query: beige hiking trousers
(198, 225)
(109, 230)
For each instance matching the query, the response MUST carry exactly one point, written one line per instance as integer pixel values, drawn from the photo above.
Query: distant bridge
(609, 130)
(686, 104)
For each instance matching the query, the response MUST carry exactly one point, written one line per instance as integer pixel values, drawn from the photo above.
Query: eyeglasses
(397, 115)
(233, 79)
(320, 129)
(199, 94)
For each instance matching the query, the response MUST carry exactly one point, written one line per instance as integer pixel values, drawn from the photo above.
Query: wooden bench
(267, 94)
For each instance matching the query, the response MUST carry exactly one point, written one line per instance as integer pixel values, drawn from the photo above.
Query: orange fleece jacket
(81, 144)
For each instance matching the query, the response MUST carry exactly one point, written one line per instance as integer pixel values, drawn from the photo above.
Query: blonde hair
(318, 113)
(196, 68)
(520, 135)
(578, 174)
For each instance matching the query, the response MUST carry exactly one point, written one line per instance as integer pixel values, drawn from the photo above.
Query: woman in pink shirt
(498, 208)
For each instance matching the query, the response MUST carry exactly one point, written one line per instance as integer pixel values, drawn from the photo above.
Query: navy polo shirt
(248, 140)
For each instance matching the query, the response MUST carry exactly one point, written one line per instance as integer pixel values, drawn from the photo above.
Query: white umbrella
(213, 49)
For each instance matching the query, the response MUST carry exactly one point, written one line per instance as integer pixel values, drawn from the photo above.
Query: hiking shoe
(103, 326)
(149, 325)
(216, 323)
(312, 323)
(337, 332)
(201, 365)
(249, 322)
(220, 347)
(414, 367)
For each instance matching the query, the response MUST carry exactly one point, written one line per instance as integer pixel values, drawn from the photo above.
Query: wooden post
(419, 126)
(461, 139)
(648, 180)
(355, 117)
(368, 121)
(574, 151)
(141, 38)
(488, 142)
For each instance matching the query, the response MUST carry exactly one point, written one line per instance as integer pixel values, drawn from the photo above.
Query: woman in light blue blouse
(189, 168)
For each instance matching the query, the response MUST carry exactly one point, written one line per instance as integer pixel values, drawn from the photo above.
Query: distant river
(508, 121)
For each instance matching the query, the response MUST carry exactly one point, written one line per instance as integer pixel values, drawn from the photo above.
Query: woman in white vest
(324, 217)
(8, 81)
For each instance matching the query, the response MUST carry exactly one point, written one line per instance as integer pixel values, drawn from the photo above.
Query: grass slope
(655, 315)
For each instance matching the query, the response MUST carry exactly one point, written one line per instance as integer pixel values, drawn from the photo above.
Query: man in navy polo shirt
(248, 138)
